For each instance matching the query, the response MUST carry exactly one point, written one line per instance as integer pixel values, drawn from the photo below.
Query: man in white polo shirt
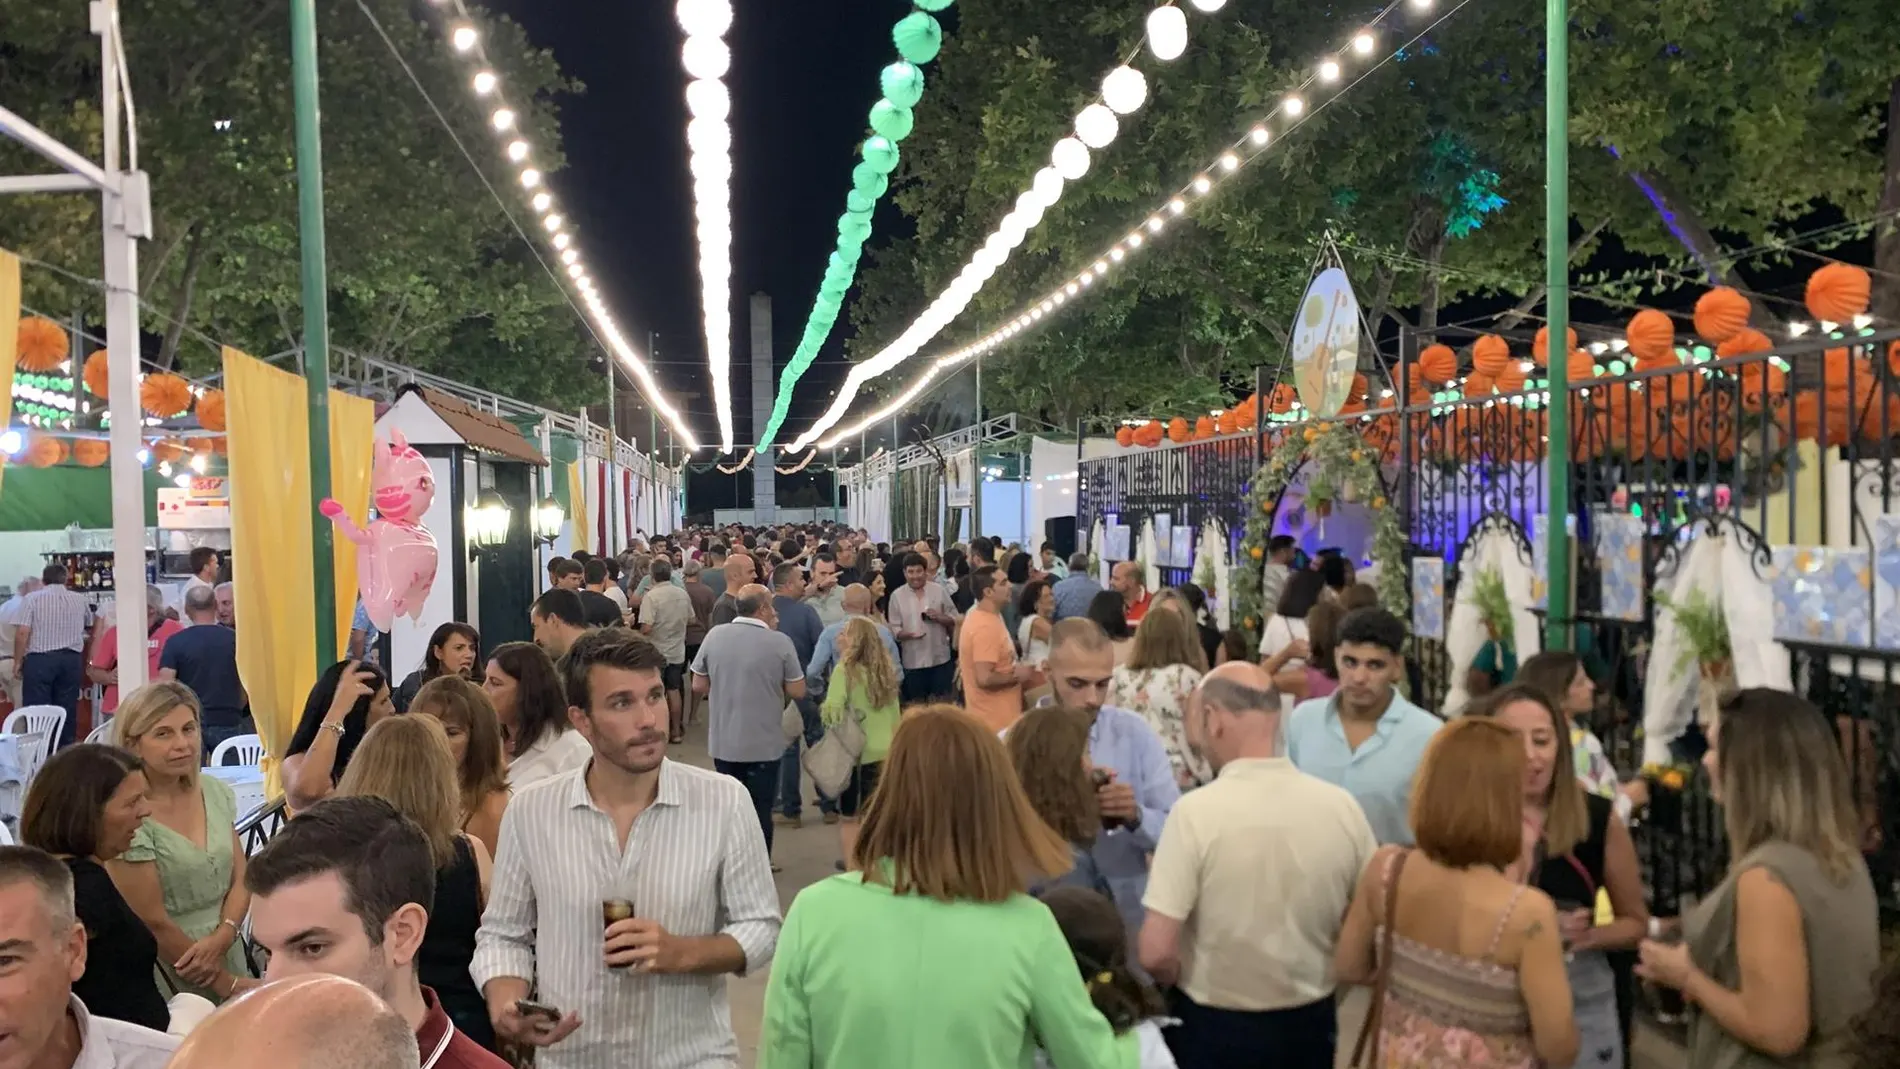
(1249, 888)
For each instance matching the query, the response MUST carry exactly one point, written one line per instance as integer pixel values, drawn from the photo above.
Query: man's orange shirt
(985, 640)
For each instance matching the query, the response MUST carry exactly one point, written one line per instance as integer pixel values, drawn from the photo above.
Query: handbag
(791, 720)
(1367, 1046)
(831, 760)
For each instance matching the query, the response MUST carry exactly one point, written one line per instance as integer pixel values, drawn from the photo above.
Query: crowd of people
(1077, 825)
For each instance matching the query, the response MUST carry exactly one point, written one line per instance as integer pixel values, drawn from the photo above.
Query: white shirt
(108, 1044)
(549, 756)
(695, 861)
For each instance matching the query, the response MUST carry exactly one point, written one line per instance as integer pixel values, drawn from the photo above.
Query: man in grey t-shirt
(748, 671)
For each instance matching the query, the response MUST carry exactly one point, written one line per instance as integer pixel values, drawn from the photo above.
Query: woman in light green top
(184, 874)
(931, 956)
(863, 686)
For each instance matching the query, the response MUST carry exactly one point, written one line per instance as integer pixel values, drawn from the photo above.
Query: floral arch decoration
(1345, 463)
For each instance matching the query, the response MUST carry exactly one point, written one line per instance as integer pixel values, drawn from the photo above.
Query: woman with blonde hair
(1467, 957)
(184, 872)
(1164, 665)
(1780, 958)
(405, 761)
(933, 947)
(474, 734)
(863, 687)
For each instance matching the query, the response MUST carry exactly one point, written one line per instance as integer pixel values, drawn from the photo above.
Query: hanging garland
(1342, 463)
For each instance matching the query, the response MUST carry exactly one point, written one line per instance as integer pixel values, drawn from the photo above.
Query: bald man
(739, 571)
(1131, 582)
(747, 671)
(307, 1022)
(824, 656)
(1275, 855)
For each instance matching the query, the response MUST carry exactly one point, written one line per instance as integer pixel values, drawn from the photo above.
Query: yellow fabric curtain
(583, 538)
(271, 550)
(9, 332)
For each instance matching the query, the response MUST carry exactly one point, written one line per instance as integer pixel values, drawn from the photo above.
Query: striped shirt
(57, 618)
(695, 862)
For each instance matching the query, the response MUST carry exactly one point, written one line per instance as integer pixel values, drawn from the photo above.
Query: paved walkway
(808, 854)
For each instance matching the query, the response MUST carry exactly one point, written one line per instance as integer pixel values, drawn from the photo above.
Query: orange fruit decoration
(211, 410)
(91, 452)
(1124, 436)
(164, 395)
(1438, 364)
(1489, 354)
(1838, 292)
(42, 344)
(1652, 337)
(169, 451)
(1720, 314)
(1540, 347)
(1177, 429)
(94, 373)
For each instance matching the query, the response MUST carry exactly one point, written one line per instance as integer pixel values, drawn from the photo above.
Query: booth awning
(483, 431)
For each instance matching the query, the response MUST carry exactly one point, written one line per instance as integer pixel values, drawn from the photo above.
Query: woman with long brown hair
(862, 686)
(933, 947)
(1163, 667)
(525, 690)
(1780, 958)
(406, 762)
(474, 734)
(1050, 748)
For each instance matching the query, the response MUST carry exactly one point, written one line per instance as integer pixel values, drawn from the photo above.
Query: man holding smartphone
(343, 890)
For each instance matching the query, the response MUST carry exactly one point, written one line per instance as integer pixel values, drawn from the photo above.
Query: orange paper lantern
(1247, 413)
(1489, 354)
(1763, 385)
(1540, 347)
(211, 410)
(1125, 436)
(1149, 434)
(1478, 385)
(1227, 423)
(1511, 379)
(1742, 342)
(1438, 364)
(1652, 337)
(94, 372)
(90, 452)
(1720, 314)
(1358, 390)
(164, 395)
(1838, 292)
(1177, 429)
(169, 451)
(42, 344)
(1580, 367)
(44, 451)
(1283, 397)
(1204, 427)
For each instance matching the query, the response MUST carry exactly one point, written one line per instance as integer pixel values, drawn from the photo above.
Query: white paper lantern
(1096, 126)
(1070, 158)
(1047, 186)
(710, 18)
(1167, 33)
(1124, 90)
(707, 98)
(706, 57)
(1209, 6)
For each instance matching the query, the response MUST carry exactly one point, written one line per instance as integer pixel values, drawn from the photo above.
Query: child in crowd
(1096, 935)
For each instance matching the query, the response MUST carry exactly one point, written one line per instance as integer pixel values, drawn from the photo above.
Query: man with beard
(693, 875)
(345, 890)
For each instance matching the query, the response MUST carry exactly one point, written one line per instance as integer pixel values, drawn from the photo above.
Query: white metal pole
(122, 370)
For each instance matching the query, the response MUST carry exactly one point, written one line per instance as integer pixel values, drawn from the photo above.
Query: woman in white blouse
(525, 688)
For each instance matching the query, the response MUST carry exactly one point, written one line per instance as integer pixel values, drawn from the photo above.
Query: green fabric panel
(562, 447)
(51, 499)
(557, 474)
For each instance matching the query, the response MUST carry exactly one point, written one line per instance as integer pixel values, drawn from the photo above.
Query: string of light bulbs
(709, 137)
(1123, 92)
(505, 123)
(1291, 111)
(918, 38)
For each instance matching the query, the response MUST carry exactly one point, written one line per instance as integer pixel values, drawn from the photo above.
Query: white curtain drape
(1494, 550)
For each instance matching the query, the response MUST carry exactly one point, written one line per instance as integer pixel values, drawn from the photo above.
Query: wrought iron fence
(1192, 482)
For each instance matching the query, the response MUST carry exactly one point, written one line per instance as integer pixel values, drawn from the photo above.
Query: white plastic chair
(248, 748)
(102, 733)
(48, 721)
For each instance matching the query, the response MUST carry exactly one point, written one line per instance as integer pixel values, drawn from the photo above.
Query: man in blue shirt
(1074, 593)
(1366, 737)
(799, 622)
(824, 657)
(1141, 788)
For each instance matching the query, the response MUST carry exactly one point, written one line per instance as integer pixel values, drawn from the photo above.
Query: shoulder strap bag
(1365, 1052)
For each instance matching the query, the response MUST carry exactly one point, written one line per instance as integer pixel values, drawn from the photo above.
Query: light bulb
(517, 150)
(1362, 43)
(1259, 135)
(1421, 5)
(1124, 90)
(561, 240)
(1116, 254)
(1167, 32)
(1096, 126)
(1101, 267)
(463, 38)
(504, 119)
(571, 256)
(1133, 240)
(1177, 206)
(706, 57)
(1155, 224)
(484, 82)
(1329, 71)
(1209, 6)
(541, 202)
(1072, 289)
(1088, 278)
(1070, 158)
(704, 17)
(530, 178)
(1293, 105)
(1229, 161)
(575, 271)
(552, 222)
(1202, 183)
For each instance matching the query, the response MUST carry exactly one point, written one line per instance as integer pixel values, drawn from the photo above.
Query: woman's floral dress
(1161, 695)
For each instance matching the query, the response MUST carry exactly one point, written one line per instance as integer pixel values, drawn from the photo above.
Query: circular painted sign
(1326, 343)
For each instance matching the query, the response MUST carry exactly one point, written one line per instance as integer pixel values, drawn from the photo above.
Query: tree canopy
(424, 268)
(1688, 121)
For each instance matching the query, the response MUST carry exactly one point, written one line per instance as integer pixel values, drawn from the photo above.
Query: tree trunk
(1430, 290)
(181, 299)
(1886, 305)
(1686, 224)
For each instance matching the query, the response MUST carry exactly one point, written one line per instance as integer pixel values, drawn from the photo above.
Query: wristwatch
(336, 727)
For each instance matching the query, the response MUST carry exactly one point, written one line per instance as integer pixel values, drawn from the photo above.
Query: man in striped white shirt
(47, 647)
(681, 846)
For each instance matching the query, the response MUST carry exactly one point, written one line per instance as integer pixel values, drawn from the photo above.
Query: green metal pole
(1557, 256)
(316, 311)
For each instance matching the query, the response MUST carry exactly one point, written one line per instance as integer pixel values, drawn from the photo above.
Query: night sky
(803, 78)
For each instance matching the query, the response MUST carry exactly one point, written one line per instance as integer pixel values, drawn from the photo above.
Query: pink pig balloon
(395, 557)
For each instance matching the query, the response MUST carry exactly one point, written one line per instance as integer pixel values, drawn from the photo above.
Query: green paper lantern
(869, 181)
(891, 121)
(903, 84)
(880, 154)
(854, 227)
(857, 203)
(849, 253)
(932, 5)
(918, 38)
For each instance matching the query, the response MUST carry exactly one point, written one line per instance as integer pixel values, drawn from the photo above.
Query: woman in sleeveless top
(405, 761)
(1780, 958)
(1576, 852)
(1466, 962)
(474, 734)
